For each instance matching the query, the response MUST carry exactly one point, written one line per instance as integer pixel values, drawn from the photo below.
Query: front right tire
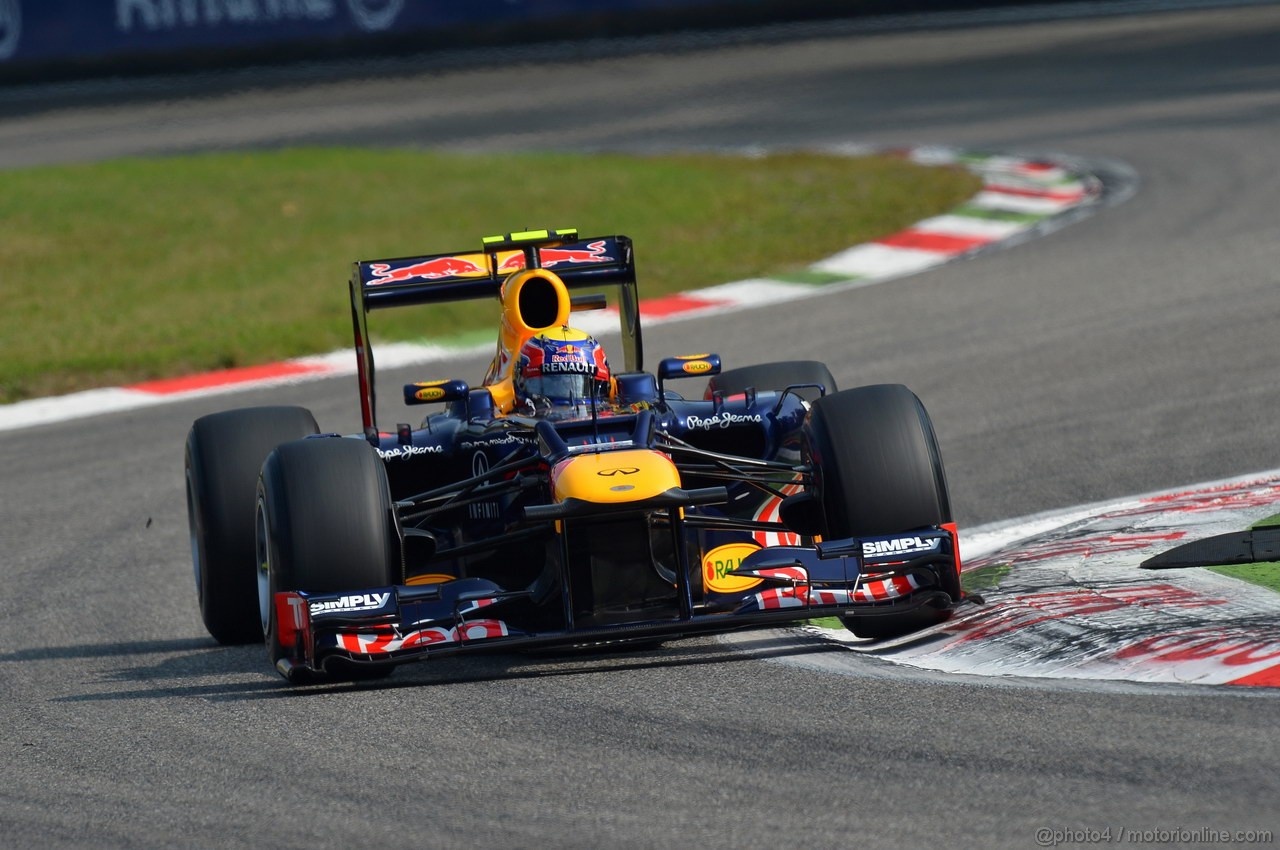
(224, 454)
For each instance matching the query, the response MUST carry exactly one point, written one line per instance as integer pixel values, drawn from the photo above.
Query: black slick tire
(324, 525)
(766, 377)
(878, 471)
(224, 453)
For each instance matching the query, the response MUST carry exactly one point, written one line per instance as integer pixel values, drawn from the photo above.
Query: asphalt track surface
(1132, 351)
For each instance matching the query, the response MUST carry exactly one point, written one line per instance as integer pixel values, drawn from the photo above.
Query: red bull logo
(433, 269)
(513, 263)
(531, 360)
(593, 253)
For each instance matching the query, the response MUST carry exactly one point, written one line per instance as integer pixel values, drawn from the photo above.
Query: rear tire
(223, 456)
(766, 377)
(878, 471)
(324, 525)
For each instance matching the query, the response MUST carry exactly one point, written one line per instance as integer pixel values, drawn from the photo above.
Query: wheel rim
(193, 529)
(262, 548)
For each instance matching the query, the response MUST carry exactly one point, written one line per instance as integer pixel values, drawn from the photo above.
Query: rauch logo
(720, 562)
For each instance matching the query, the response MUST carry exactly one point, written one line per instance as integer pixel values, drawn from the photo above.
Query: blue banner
(52, 30)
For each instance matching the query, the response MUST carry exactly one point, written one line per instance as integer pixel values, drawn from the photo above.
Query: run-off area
(1064, 597)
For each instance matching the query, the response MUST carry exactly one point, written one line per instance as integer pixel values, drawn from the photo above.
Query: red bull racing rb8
(570, 498)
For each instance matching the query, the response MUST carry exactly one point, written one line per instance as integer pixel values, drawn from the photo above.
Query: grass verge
(128, 270)
(984, 578)
(1265, 574)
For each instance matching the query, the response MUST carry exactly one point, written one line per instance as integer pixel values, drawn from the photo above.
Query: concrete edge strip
(1022, 197)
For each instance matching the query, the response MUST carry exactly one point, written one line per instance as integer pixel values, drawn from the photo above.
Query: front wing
(399, 624)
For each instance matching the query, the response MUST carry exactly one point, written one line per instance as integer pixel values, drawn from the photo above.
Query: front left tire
(777, 376)
(878, 471)
(324, 525)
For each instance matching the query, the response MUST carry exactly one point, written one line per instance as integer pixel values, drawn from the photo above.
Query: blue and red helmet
(564, 366)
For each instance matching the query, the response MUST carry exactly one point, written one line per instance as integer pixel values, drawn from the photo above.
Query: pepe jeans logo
(618, 470)
(724, 419)
(406, 452)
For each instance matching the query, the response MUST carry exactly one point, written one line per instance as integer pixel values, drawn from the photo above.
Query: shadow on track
(171, 676)
(107, 650)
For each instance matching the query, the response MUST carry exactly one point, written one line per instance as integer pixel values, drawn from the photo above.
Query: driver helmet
(563, 365)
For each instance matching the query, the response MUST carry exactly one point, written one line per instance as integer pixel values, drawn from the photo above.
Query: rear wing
(598, 261)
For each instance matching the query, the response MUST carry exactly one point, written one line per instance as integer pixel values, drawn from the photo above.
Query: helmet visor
(560, 389)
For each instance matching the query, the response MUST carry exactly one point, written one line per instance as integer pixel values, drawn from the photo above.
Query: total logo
(349, 604)
(153, 15)
(899, 546)
(10, 27)
(719, 563)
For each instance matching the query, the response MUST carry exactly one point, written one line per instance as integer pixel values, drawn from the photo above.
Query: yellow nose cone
(614, 477)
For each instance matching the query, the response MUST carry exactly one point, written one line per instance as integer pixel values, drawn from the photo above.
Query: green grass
(136, 269)
(1265, 574)
(984, 578)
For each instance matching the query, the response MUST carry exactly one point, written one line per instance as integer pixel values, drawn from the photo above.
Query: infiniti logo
(10, 27)
(618, 470)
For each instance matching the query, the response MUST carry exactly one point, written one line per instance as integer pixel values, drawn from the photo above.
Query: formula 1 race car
(561, 503)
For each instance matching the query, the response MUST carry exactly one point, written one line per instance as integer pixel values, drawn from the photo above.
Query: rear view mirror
(427, 392)
(687, 366)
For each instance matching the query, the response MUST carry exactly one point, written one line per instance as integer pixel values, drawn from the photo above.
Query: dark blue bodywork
(492, 558)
